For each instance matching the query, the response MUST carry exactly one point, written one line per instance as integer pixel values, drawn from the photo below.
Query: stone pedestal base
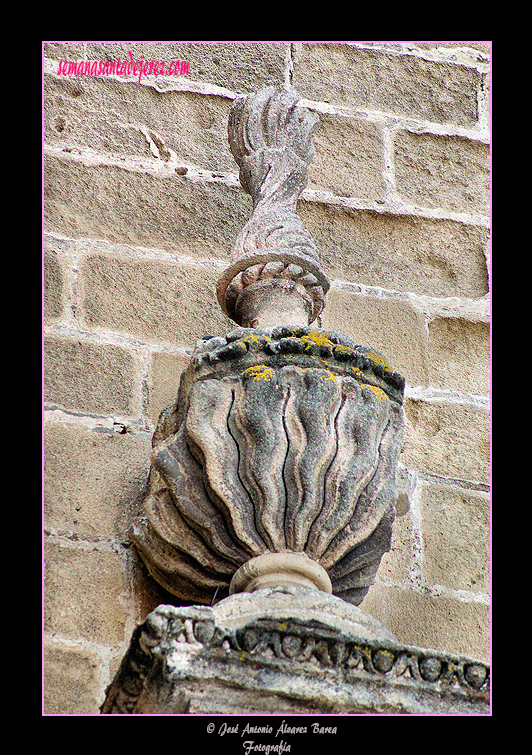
(272, 569)
(287, 650)
(306, 606)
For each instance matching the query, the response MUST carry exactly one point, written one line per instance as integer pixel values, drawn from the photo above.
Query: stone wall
(142, 205)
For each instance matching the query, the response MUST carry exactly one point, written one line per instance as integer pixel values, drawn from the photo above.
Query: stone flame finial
(276, 464)
(275, 276)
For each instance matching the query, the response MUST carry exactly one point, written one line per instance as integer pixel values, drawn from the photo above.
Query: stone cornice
(174, 646)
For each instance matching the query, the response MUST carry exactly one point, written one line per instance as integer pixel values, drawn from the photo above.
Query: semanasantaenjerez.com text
(137, 68)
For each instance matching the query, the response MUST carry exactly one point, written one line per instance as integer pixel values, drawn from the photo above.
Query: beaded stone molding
(304, 346)
(407, 675)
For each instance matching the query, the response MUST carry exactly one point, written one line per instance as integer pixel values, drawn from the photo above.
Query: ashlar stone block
(356, 169)
(165, 373)
(84, 590)
(459, 354)
(96, 113)
(94, 378)
(447, 172)
(448, 439)
(93, 480)
(71, 680)
(126, 206)
(398, 84)
(150, 299)
(239, 66)
(456, 537)
(54, 286)
(399, 252)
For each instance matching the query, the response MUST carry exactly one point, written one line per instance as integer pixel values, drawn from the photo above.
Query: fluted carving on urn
(277, 462)
(283, 441)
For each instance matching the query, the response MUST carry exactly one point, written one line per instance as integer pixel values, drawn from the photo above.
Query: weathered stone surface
(400, 252)
(134, 208)
(71, 680)
(144, 123)
(90, 576)
(239, 66)
(279, 441)
(156, 300)
(275, 277)
(402, 85)
(432, 620)
(285, 568)
(53, 286)
(356, 169)
(180, 660)
(164, 376)
(456, 537)
(94, 480)
(116, 194)
(396, 564)
(96, 378)
(64, 50)
(459, 354)
(78, 116)
(447, 438)
(303, 604)
(443, 171)
(457, 47)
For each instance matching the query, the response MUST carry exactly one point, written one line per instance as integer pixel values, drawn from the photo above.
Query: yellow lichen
(321, 374)
(341, 349)
(379, 393)
(260, 372)
(256, 339)
(328, 376)
(317, 338)
(378, 359)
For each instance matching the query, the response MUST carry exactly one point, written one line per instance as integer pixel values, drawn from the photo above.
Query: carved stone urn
(272, 489)
(277, 462)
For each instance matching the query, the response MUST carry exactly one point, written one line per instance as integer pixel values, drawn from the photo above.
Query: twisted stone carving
(274, 257)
